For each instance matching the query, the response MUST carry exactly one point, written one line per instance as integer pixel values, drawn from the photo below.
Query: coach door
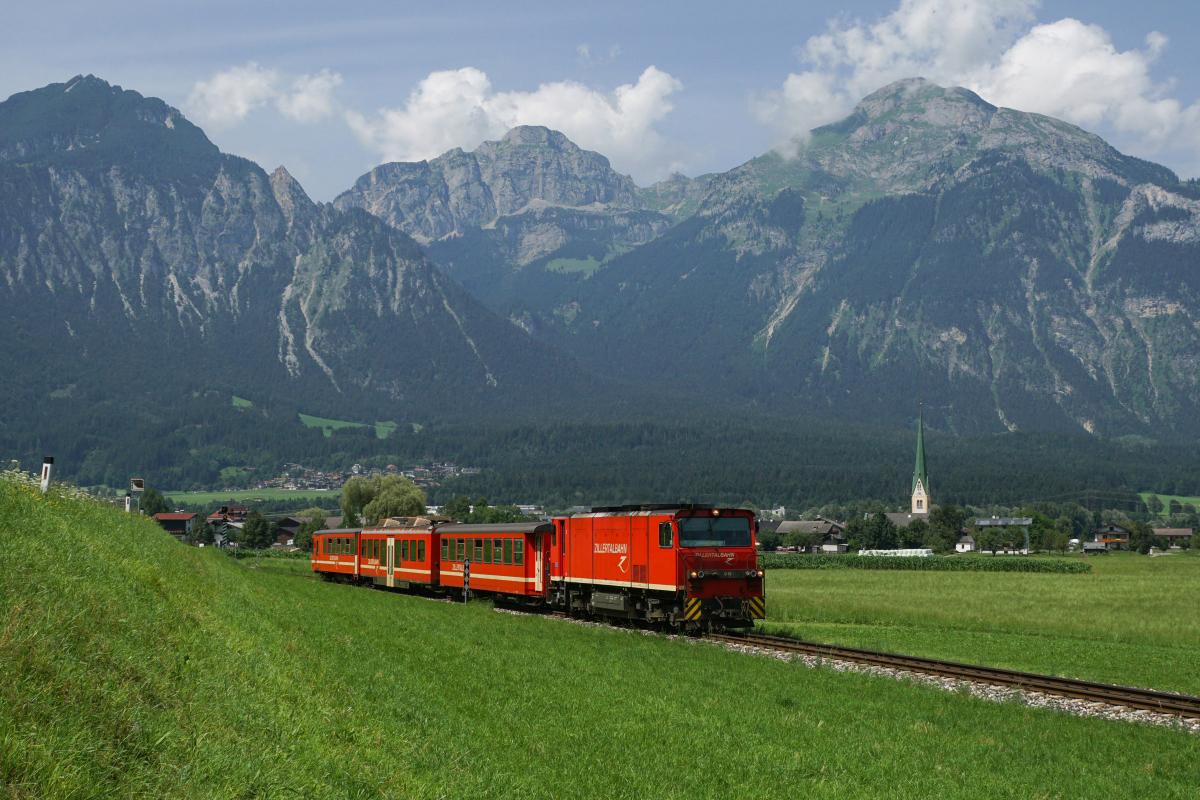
(391, 561)
(539, 564)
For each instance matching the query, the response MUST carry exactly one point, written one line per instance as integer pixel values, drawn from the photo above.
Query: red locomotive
(683, 566)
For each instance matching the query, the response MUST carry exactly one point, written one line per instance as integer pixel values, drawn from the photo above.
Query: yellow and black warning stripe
(692, 609)
(758, 608)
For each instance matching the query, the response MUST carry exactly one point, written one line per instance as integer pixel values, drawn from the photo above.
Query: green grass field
(243, 496)
(138, 667)
(1132, 620)
(328, 426)
(1167, 498)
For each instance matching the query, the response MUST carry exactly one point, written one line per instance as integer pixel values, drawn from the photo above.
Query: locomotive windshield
(714, 532)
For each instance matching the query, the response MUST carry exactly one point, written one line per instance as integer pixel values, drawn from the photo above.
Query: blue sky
(330, 91)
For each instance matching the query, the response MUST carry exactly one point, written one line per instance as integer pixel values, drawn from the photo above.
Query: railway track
(1180, 705)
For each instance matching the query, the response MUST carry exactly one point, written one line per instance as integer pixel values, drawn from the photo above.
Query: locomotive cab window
(714, 531)
(664, 534)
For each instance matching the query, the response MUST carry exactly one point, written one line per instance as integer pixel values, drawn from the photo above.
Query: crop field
(138, 667)
(243, 496)
(1132, 620)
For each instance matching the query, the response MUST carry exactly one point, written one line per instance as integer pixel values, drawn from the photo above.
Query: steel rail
(1180, 705)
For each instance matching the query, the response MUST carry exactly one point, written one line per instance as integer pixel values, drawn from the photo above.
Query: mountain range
(1010, 270)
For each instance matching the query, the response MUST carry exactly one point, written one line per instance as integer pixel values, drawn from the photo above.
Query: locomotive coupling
(699, 574)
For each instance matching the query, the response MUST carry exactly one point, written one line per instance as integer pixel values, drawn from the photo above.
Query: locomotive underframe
(673, 609)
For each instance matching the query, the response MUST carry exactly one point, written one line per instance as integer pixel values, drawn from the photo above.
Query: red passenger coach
(335, 553)
(506, 559)
(686, 566)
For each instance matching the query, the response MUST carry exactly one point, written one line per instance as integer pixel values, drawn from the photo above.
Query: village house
(178, 525)
(1112, 537)
(1172, 536)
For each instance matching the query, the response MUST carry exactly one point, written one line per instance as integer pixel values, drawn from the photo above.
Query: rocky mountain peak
(916, 101)
(530, 168)
(538, 136)
(87, 121)
(290, 196)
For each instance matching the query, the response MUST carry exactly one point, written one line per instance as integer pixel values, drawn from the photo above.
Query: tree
(379, 497)
(801, 540)
(1154, 504)
(1141, 537)
(256, 533)
(200, 533)
(458, 508)
(945, 523)
(987, 539)
(876, 533)
(914, 535)
(303, 538)
(154, 503)
(769, 540)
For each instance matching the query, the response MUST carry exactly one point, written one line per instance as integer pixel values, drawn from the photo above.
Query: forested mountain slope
(140, 267)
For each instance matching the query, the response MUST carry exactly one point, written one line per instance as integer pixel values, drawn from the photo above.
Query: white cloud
(230, 96)
(459, 108)
(227, 97)
(1066, 69)
(311, 97)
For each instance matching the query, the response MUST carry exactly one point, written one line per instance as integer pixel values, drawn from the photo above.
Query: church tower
(920, 481)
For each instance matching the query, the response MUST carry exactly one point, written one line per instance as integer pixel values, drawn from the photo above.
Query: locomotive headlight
(693, 574)
(760, 573)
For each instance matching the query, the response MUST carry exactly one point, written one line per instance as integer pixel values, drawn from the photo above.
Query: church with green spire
(920, 481)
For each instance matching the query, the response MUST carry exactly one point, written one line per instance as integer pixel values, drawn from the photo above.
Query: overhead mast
(920, 481)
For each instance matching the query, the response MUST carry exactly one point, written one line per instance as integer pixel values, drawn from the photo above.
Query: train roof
(338, 530)
(499, 527)
(643, 507)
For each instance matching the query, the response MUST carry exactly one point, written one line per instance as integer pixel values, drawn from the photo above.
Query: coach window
(497, 549)
(664, 534)
(461, 547)
(421, 550)
(478, 551)
(404, 549)
(519, 552)
(508, 551)
(487, 551)
(445, 547)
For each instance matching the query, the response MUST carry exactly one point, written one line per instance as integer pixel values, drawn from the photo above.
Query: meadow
(243, 496)
(138, 667)
(328, 426)
(1132, 620)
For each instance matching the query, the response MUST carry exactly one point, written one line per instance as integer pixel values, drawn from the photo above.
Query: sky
(332, 90)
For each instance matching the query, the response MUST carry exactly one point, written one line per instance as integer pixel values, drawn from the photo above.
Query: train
(685, 566)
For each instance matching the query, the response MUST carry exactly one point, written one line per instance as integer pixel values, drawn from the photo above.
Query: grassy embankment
(137, 667)
(1132, 620)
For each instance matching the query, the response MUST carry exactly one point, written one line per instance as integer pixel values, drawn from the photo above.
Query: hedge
(933, 563)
